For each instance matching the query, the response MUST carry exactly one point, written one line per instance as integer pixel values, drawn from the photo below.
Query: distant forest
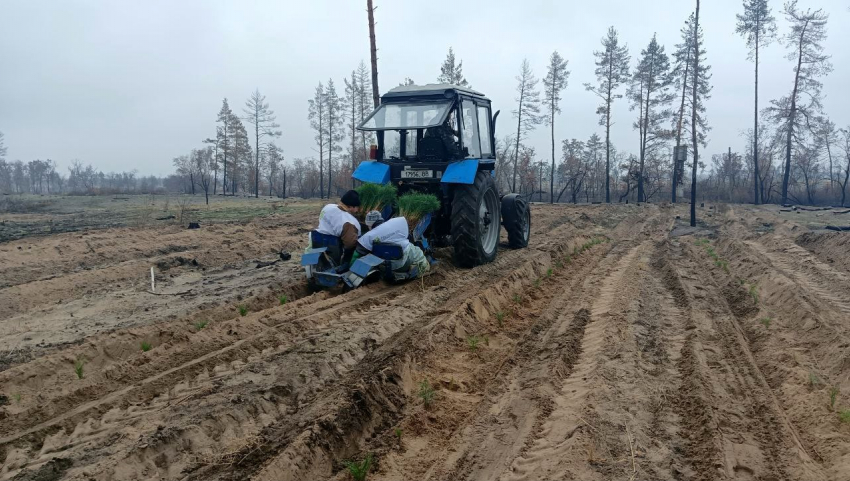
(794, 154)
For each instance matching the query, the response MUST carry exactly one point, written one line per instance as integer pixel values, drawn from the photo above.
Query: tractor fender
(462, 172)
(373, 172)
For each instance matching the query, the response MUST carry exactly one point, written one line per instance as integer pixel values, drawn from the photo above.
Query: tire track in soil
(747, 435)
(828, 285)
(160, 387)
(506, 424)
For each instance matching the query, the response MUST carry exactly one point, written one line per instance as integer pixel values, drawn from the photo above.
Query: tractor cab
(422, 129)
(439, 139)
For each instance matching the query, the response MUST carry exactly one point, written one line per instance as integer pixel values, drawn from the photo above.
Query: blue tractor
(439, 139)
(435, 139)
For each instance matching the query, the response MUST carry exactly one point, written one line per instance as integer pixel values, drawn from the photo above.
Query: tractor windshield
(394, 116)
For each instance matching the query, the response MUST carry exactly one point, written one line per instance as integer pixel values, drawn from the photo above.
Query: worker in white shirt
(339, 220)
(394, 231)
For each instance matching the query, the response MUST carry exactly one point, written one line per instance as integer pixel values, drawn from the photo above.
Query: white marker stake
(153, 286)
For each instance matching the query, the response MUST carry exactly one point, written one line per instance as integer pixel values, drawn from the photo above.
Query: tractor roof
(403, 92)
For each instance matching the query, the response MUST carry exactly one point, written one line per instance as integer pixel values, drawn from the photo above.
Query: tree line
(795, 152)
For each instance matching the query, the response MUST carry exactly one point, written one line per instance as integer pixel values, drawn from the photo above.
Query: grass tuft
(426, 393)
(243, 309)
(79, 366)
(201, 324)
(146, 346)
(283, 299)
(359, 470)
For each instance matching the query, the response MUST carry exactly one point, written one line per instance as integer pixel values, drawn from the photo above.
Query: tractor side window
(470, 129)
(392, 144)
(410, 146)
(484, 131)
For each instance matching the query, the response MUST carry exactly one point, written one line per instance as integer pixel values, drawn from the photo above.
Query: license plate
(417, 174)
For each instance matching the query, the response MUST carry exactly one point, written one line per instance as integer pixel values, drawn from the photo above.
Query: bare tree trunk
(756, 126)
(376, 97)
(694, 109)
(257, 162)
(677, 169)
(792, 117)
(518, 130)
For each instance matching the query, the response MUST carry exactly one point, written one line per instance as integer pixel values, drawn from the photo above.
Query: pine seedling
(376, 196)
(397, 432)
(17, 397)
(426, 393)
(146, 346)
(359, 470)
(201, 324)
(517, 299)
(283, 299)
(242, 309)
(833, 395)
(549, 273)
(500, 318)
(79, 365)
(765, 321)
(559, 264)
(754, 292)
(473, 341)
(814, 380)
(844, 416)
(536, 283)
(415, 206)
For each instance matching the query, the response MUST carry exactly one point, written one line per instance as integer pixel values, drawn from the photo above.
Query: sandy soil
(622, 344)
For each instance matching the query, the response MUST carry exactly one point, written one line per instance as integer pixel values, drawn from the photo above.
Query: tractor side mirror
(465, 152)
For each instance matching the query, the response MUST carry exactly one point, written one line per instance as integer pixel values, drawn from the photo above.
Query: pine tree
(451, 72)
(258, 114)
(352, 117)
(680, 73)
(365, 107)
(554, 83)
(649, 92)
(2, 148)
(805, 45)
(334, 125)
(758, 27)
(225, 138)
(612, 71)
(527, 112)
(316, 113)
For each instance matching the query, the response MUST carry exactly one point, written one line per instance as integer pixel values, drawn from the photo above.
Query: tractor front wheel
(475, 221)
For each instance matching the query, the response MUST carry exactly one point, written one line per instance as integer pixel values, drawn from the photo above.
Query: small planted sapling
(359, 470)
(426, 393)
(146, 346)
(79, 366)
(243, 309)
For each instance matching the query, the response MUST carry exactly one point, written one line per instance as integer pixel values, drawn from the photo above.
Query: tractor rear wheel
(516, 216)
(475, 221)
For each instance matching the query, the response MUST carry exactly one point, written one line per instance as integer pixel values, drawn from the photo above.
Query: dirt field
(622, 344)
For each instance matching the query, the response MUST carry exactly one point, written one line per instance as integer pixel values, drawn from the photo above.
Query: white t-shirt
(393, 231)
(332, 219)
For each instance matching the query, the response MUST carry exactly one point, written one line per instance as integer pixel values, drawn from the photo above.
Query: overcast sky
(130, 85)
